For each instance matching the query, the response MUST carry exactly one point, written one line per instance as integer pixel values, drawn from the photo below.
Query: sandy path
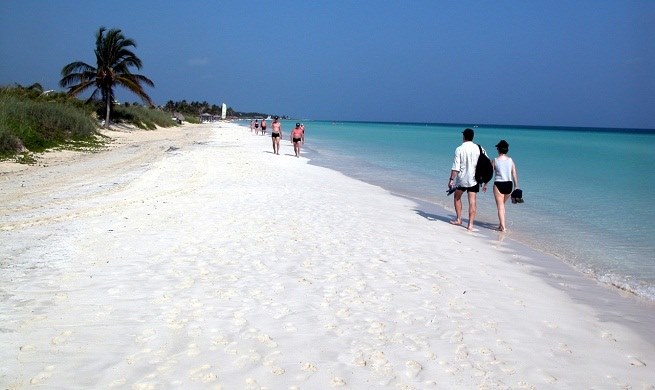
(221, 265)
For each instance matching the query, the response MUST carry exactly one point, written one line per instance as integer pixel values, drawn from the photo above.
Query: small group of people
(297, 135)
(462, 179)
(255, 126)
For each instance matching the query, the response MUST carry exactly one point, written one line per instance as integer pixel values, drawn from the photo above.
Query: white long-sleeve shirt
(466, 158)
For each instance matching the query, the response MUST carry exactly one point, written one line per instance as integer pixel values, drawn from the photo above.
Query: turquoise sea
(587, 191)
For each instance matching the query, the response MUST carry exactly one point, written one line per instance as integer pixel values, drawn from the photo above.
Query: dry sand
(194, 258)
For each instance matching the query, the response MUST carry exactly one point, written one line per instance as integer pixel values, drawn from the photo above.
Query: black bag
(484, 171)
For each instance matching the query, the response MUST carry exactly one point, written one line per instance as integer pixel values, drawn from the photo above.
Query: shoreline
(572, 239)
(611, 302)
(184, 261)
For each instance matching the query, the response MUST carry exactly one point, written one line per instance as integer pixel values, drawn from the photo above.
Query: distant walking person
(263, 126)
(296, 138)
(462, 177)
(256, 126)
(276, 134)
(505, 176)
(252, 125)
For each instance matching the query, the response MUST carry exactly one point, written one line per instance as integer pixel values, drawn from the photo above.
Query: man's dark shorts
(475, 188)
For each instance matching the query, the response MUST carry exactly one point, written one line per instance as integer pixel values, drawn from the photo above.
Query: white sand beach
(194, 258)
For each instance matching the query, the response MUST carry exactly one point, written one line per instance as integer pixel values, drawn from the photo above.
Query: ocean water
(587, 191)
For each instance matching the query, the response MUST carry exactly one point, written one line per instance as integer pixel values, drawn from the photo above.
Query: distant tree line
(197, 108)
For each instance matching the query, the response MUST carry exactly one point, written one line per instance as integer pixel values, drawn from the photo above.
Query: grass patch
(32, 121)
(24, 158)
(38, 124)
(142, 117)
(89, 145)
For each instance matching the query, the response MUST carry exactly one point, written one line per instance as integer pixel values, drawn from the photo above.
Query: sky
(543, 63)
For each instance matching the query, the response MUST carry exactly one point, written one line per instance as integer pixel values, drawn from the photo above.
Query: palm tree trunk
(108, 111)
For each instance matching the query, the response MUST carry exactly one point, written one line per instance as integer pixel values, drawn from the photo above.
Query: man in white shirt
(462, 177)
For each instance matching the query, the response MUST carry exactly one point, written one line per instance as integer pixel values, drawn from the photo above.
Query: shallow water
(585, 190)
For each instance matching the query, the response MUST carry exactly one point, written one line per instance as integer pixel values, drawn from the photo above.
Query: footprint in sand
(43, 375)
(454, 337)
(309, 367)
(146, 335)
(487, 354)
(120, 383)
(376, 328)
(271, 361)
(135, 357)
(266, 340)
(338, 382)
(195, 331)
(548, 378)
(248, 359)
(412, 368)
(62, 338)
(504, 344)
(565, 348)
(343, 313)
(252, 384)
(380, 363)
(61, 296)
(506, 368)
(281, 312)
(194, 350)
(448, 367)
(462, 352)
(636, 362)
(199, 374)
(551, 325)
(220, 340)
(28, 348)
(277, 370)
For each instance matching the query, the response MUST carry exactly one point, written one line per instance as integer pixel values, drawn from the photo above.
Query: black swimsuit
(275, 135)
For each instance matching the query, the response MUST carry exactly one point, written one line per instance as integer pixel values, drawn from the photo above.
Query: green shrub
(37, 123)
(142, 117)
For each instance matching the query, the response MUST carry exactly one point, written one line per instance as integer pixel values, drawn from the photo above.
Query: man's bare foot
(469, 228)
(456, 222)
(501, 228)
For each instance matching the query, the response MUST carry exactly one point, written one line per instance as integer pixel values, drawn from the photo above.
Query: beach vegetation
(33, 120)
(146, 118)
(114, 60)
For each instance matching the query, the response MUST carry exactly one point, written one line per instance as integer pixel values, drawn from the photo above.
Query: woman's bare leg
(500, 205)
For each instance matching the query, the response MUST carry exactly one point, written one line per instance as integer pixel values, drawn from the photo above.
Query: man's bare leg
(457, 200)
(472, 208)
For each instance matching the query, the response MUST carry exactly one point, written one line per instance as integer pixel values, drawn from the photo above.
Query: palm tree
(114, 59)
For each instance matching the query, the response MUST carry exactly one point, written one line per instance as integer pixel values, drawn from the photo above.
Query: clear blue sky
(557, 63)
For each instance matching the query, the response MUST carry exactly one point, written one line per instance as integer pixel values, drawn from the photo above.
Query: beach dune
(195, 258)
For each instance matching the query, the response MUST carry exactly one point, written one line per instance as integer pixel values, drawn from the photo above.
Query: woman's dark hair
(502, 149)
